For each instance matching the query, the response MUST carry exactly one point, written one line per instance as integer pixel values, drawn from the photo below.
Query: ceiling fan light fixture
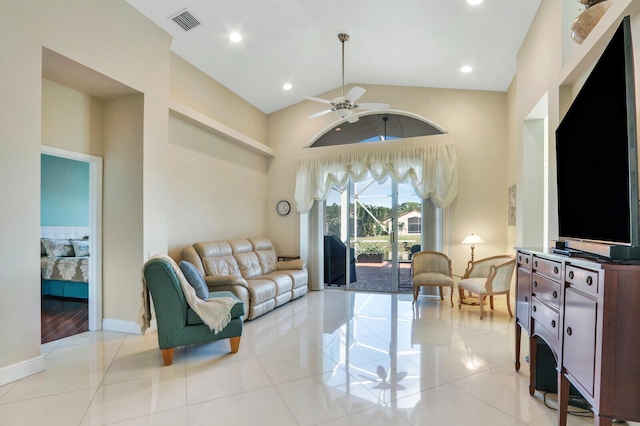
(235, 37)
(466, 69)
(287, 86)
(343, 113)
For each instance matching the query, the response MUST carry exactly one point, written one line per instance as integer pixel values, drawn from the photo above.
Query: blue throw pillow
(195, 279)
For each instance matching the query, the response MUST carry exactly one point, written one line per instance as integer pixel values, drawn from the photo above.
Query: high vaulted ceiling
(421, 43)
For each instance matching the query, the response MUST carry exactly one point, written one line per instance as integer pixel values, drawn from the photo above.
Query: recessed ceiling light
(474, 2)
(235, 37)
(466, 69)
(287, 86)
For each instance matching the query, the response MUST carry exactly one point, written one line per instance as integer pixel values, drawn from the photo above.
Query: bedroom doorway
(67, 312)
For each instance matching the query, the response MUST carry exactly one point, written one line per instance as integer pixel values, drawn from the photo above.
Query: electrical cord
(587, 413)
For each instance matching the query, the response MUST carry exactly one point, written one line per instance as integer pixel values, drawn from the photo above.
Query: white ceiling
(419, 43)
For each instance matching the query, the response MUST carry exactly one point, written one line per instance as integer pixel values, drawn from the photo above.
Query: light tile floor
(333, 358)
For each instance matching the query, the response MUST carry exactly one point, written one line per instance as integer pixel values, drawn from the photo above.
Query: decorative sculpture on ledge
(584, 23)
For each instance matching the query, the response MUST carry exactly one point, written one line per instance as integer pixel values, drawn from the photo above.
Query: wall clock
(283, 208)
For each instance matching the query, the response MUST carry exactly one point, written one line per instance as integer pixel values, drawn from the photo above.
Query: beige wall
(108, 37)
(123, 216)
(476, 125)
(217, 188)
(192, 87)
(71, 120)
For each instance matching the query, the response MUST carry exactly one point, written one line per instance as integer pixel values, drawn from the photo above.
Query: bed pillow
(80, 247)
(58, 248)
(195, 279)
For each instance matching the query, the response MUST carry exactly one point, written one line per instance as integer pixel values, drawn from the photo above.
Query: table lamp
(473, 240)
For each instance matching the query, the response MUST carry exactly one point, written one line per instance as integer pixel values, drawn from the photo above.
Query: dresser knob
(527, 260)
(535, 263)
(553, 323)
(535, 283)
(570, 275)
(555, 270)
(589, 280)
(535, 309)
(569, 331)
(526, 298)
(555, 294)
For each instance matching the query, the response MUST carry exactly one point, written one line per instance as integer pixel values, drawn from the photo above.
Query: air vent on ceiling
(186, 20)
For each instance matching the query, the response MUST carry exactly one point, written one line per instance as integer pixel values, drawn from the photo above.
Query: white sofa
(250, 269)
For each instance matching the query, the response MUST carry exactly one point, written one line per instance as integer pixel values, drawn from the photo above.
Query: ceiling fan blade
(322, 101)
(318, 114)
(354, 94)
(353, 117)
(373, 105)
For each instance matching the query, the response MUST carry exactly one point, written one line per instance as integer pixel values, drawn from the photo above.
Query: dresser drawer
(524, 259)
(547, 267)
(546, 290)
(584, 279)
(546, 317)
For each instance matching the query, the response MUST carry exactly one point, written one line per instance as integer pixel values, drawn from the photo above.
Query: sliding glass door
(371, 231)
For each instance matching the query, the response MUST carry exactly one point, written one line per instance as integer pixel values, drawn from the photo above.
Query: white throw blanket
(215, 312)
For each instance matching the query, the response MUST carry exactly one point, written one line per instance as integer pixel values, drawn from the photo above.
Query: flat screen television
(596, 157)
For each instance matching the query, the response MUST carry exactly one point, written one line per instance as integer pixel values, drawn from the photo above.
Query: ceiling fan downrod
(343, 37)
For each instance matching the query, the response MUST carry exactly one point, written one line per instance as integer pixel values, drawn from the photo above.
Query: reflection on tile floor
(332, 357)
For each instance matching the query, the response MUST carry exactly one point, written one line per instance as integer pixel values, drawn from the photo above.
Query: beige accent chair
(488, 277)
(431, 268)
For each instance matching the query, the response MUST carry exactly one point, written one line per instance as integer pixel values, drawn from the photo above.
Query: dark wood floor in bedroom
(63, 317)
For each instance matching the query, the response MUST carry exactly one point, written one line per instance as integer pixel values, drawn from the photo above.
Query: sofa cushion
(283, 282)
(249, 264)
(195, 279)
(217, 258)
(261, 290)
(240, 246)
(236, 311)
(268, 260)
(300, 278)
(221, 266)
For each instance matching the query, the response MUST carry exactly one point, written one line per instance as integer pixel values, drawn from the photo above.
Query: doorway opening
(72, 282)
(381, 225)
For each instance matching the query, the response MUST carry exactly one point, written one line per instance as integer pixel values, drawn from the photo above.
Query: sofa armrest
(219, 280)
(190, 255)
(292, 265)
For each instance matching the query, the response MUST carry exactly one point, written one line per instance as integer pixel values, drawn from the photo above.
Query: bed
(64, 261)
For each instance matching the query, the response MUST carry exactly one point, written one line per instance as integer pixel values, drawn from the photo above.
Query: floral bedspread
(65, 268)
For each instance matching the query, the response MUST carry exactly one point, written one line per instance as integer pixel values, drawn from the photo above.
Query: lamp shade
(472, 239)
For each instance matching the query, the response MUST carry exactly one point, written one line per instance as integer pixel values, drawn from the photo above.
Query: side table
(288, 257)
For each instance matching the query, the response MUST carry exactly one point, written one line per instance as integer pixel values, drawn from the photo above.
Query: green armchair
(178, 324)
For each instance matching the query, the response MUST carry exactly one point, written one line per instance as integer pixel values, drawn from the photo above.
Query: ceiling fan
(344, 105)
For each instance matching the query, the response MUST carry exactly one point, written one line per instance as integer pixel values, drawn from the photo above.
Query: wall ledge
(202, 121)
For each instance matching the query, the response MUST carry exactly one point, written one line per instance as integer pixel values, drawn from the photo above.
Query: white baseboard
(121, 326)
(21, 370)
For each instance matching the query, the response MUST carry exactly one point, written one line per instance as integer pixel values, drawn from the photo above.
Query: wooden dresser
(588, 312)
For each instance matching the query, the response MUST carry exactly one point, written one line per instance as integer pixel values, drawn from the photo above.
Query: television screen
(594, 143)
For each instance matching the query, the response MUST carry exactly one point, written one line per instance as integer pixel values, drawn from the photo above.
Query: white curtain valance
(432, 170)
